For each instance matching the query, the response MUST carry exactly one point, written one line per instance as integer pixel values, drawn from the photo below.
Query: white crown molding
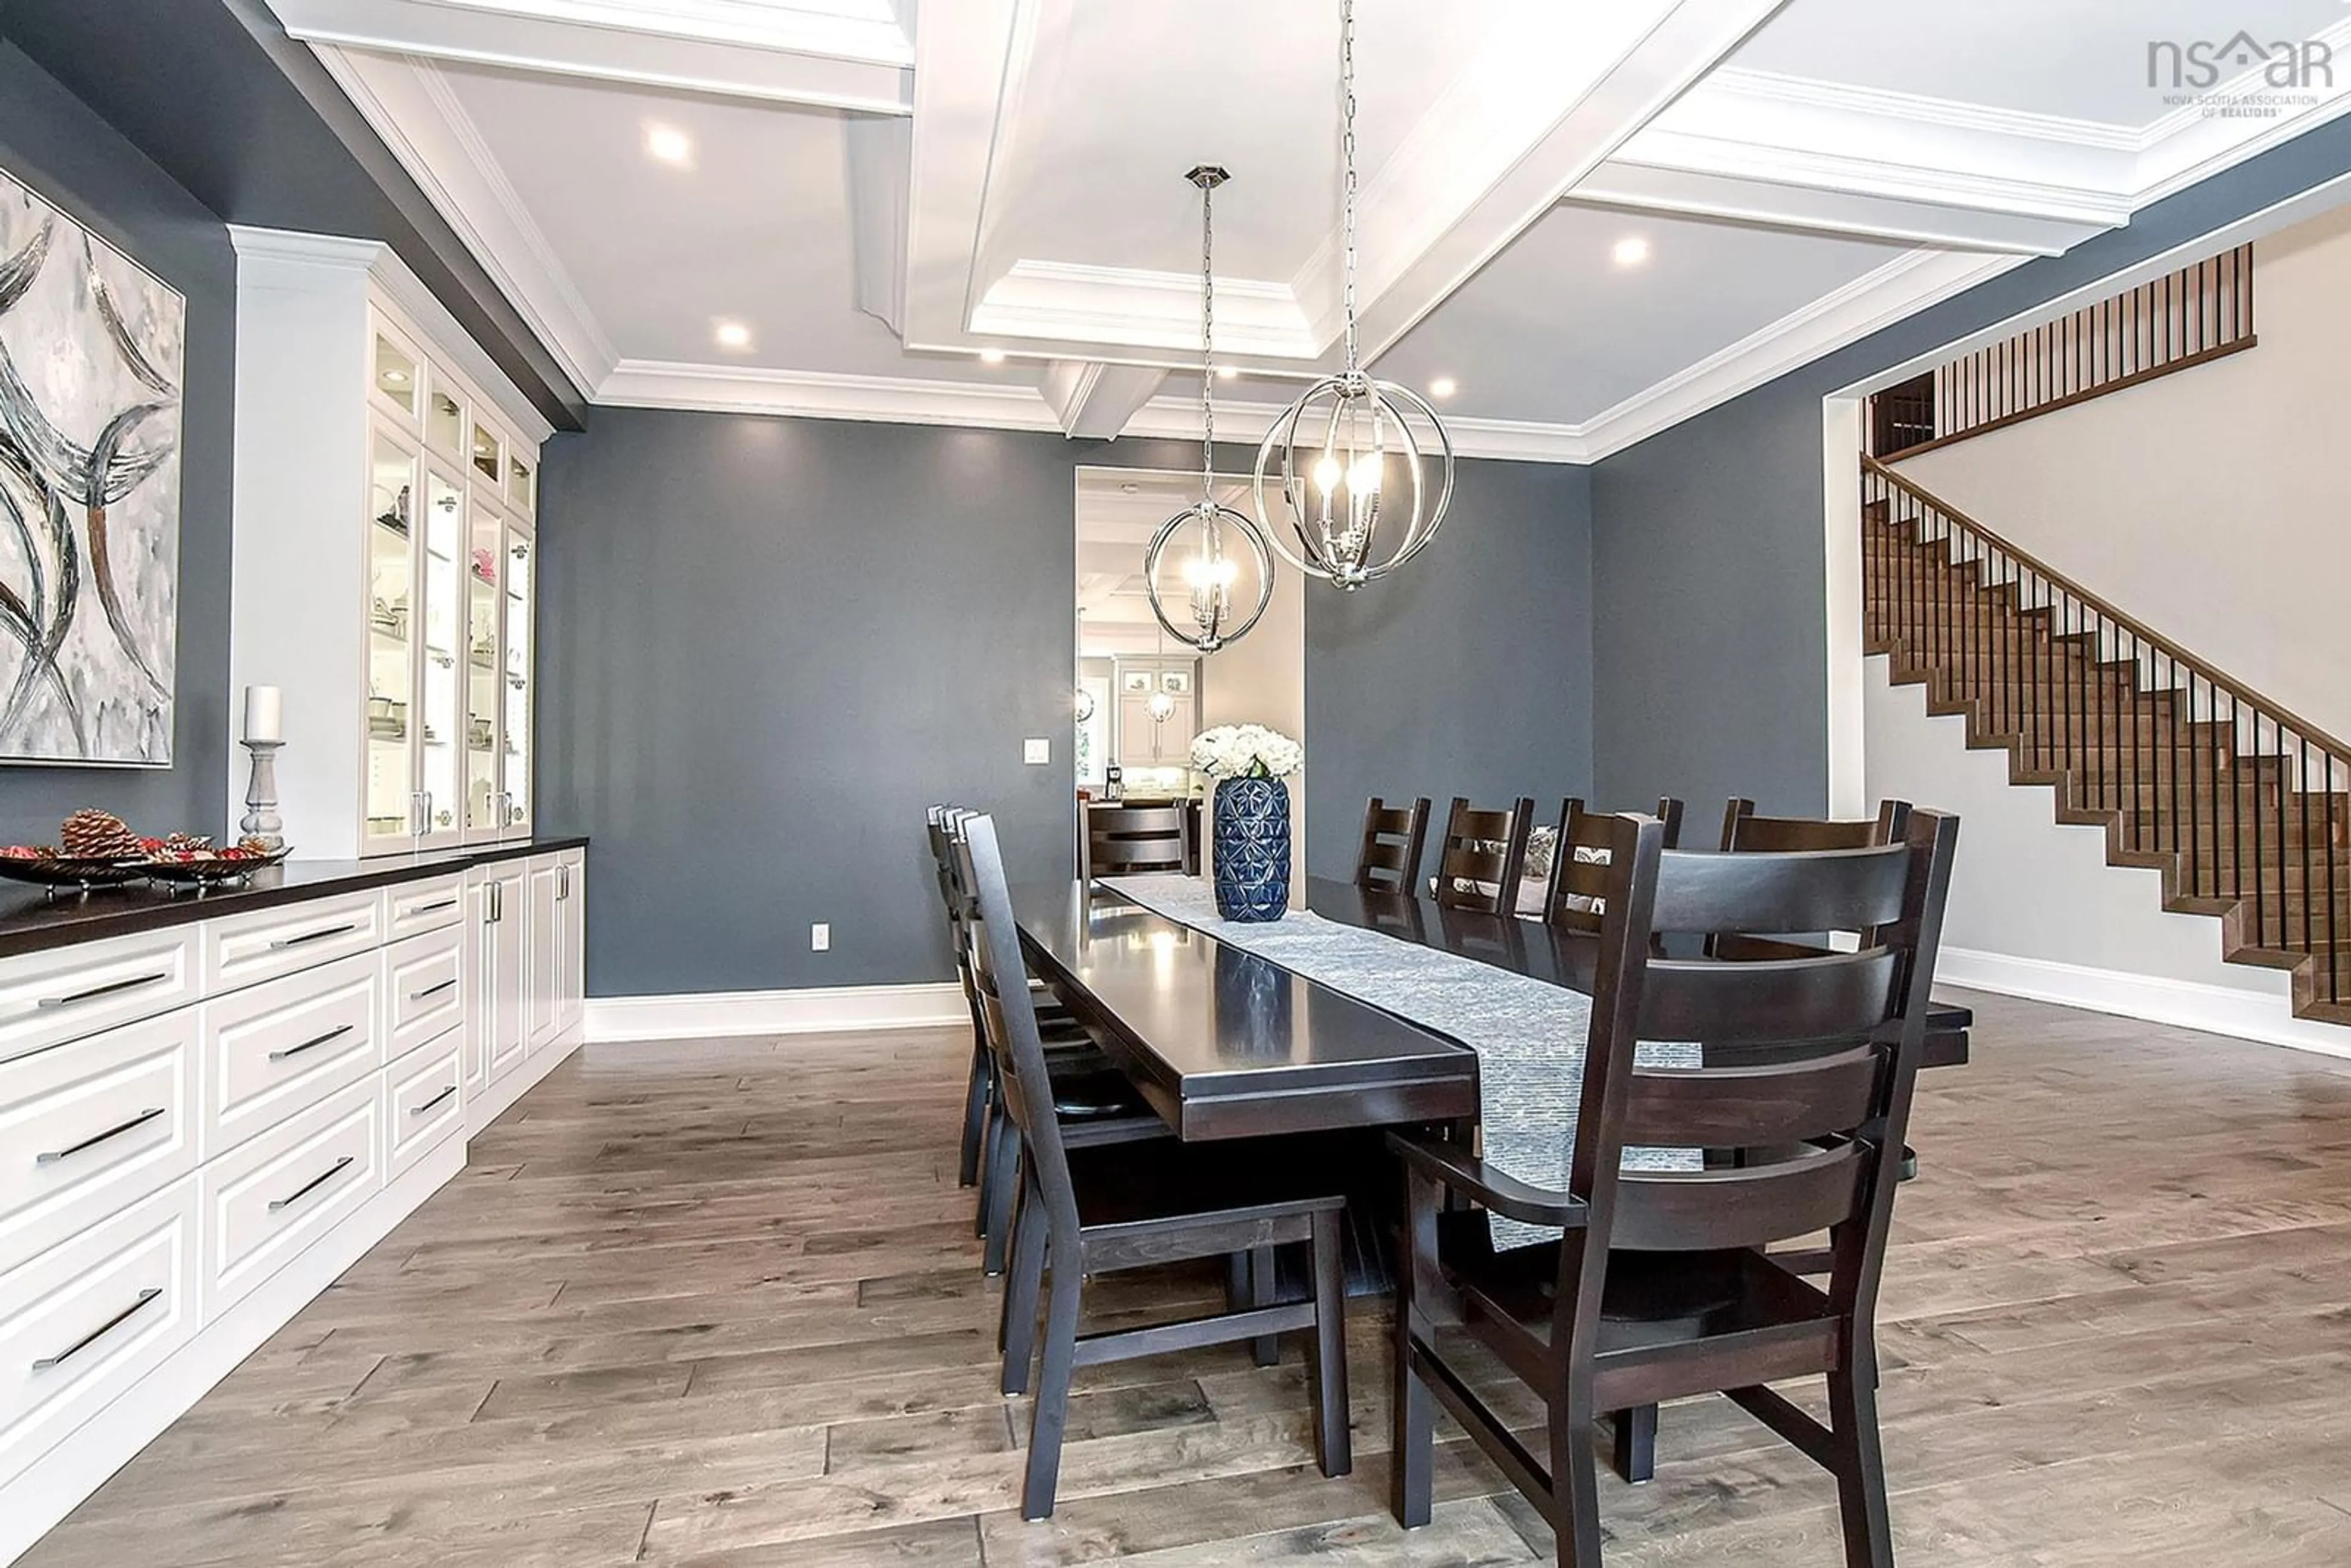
(1067, 301)
(1807, 209)
(287, 245)
(1095, 400)
(779, 54)
(890, 399)
(1736, 83)
(409, 104)
(1902, 287)
(819, 1009)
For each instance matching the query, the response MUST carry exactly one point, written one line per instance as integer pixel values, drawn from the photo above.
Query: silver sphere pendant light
(1209, 571)
(1351, 459)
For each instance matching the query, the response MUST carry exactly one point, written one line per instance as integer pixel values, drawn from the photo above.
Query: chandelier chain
(1207, 336)
(1347, 159)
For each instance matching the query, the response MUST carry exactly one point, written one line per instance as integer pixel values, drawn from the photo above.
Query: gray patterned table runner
(1529, 1034)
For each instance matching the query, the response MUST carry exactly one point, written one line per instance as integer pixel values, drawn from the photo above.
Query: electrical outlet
(820, 937)
(1035, 753)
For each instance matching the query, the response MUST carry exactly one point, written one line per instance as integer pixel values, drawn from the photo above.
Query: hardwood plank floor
(718, 1304)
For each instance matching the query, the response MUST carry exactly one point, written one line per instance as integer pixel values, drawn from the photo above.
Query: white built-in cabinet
(385, 570)
(1148, 741)
(203, 1125)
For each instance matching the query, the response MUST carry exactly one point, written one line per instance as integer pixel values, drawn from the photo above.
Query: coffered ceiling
(1588, 220)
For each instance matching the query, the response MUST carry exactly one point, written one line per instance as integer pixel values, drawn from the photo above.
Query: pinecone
(92, 834)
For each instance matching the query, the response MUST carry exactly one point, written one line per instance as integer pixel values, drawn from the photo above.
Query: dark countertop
(32, 922)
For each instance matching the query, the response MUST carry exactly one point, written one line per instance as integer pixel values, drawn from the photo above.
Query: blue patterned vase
(1253, 849)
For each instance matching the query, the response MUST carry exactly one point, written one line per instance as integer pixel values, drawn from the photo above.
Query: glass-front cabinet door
(391, 788)
(484, 811)
(442, 592)
(514, 757)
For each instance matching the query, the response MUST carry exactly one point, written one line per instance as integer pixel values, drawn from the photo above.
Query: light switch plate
(1036, 753)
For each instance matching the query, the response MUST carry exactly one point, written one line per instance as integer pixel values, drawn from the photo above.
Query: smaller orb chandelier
(1161, 707)
(1351, 457)
(1085, 704)
(1211, 570)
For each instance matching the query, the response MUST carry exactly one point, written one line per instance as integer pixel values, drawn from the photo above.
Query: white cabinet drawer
(90, 1127)
(425, 1103)
(83, 1321)
(64, 994)
(271, 1050)
(243, 949)
(416, 906)
(422, 991)
(272, 1197)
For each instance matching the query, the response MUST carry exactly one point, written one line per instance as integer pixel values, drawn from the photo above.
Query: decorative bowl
(67, 871)
(212, 873)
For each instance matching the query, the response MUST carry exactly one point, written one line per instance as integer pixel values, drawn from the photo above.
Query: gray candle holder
(262, 821)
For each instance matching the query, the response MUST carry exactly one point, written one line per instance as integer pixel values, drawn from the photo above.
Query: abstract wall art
(91, 349)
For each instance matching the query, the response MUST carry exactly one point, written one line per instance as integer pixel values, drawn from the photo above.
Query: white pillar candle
(262, 719)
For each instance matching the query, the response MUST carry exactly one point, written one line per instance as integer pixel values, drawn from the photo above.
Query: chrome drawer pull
(337, 1032)
(420, 1110)
(106, 989)
(319, 935)
(313, 1185)
(99, 1333)
(432, 991)
(95, 1139)
(416, 910)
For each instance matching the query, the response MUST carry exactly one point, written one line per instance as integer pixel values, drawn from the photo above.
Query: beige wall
(1261, 679)
(2211, 504)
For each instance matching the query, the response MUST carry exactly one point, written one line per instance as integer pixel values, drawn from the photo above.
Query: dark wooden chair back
(1008, 1014)
(1393, 837)
(1122, 841)
(1745, 832)
(1483, 856)
(1579, 883)
(1820, 1129)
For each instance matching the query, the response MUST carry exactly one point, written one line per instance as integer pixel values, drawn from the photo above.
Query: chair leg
(1413, 1453)
(994, 1125)
(1637, 1443)
(1575, 1488)
(1051, 1417)
(1016, 1333)
(974, 1118)
(1327, 1367)
(1266, 1349)
(1002, 1187)
(1860, 1472)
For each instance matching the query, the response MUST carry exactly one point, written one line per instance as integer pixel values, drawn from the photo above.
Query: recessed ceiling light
(992, 356)
(1443, 386)
(1226, 373)
(733, 335)
(1631, 251)
(669, 144)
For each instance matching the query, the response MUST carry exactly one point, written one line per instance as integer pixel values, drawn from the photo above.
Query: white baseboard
(56, 1482)
(2264, 1015)
(710, 1015)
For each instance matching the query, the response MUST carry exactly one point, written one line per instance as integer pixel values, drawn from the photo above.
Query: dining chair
(1482, 856)
(1658, 1286)
(1125, 841)
(1579, 864)
(1088, 1089)
(1389, 857)
(1745, 832)
(1085, 1212)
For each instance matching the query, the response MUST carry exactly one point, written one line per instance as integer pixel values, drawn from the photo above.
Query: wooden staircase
(2244, 809)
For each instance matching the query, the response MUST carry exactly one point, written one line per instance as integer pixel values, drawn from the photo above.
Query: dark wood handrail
(2240, 691)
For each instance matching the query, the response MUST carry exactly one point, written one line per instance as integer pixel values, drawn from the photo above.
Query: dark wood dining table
(1225, 1045)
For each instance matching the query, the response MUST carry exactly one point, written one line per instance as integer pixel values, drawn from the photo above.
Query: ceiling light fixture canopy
(1354, 456)
(1212, 571)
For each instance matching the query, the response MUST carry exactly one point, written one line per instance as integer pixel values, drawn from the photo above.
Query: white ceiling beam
(1094, 400)
(794, 55)
(1810, 210)
(881, 162)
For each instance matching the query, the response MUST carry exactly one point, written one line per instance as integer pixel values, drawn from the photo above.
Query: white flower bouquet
(1245, 751)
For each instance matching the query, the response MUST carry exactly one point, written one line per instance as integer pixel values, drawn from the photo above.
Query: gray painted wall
(766, 644)
(1708, 564)
(54, 144)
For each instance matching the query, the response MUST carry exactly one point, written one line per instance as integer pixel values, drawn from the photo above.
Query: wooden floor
(719, 1304)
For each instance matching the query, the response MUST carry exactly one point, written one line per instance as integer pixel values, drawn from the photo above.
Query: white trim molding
(2263, 1016)
(819, 1009)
